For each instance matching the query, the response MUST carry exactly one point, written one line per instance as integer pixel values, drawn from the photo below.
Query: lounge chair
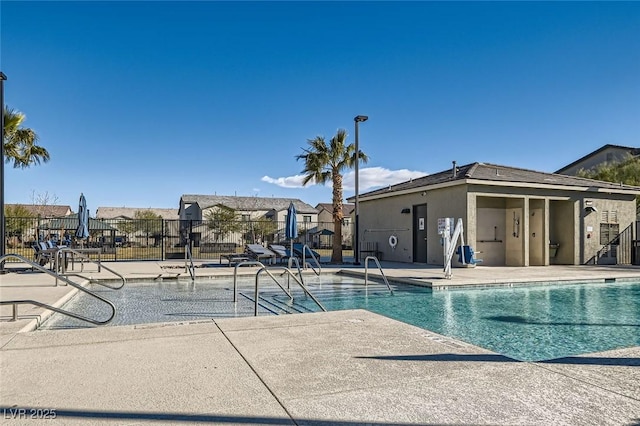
(297, 250)
(282, 253)
(260, 252)
(234, 258)
(44, 252)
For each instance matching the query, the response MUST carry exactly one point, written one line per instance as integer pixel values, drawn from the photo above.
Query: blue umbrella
(82, 231)
(291, 227)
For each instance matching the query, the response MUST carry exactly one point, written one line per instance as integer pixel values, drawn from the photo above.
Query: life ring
(393, 241)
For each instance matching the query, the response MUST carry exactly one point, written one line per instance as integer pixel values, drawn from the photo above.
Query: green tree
(20, 143)
(223, 220)
(17, 220)
(326, 162)
(626, 172)
(145, 222)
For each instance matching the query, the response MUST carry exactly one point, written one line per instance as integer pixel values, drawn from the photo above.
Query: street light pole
(3, 240)
(356, 251)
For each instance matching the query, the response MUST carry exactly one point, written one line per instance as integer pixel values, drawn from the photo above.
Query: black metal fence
(160, 239)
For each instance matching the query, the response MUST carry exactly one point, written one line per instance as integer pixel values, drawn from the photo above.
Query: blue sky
(141, 102)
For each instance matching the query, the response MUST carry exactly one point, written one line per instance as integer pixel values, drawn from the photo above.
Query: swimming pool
(529, 323)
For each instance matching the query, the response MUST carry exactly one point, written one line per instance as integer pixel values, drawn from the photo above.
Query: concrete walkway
(346, 367)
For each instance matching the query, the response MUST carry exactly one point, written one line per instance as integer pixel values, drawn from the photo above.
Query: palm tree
(20, 143)
(324, 162)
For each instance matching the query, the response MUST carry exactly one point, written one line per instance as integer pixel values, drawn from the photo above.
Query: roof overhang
(622, 190)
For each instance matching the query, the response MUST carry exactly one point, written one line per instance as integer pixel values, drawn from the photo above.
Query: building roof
(248, 203)
(347, 208)
(70, 223)
(630, 150)
(486, 173)
(45, 210)
(130, 212)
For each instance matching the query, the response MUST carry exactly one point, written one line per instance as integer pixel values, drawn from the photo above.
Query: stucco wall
(611, 211)
(536, 233)
(610, 154)
(382, 218)
(490, 231)
(488, 214)
(379, 219)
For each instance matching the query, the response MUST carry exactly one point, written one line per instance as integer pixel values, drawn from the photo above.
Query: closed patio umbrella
(82, 232)
(291, 226)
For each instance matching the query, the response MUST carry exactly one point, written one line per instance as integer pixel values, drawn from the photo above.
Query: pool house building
(510, 216)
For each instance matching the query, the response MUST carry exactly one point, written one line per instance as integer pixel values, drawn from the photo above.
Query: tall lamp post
(2, 237)
(356, 252)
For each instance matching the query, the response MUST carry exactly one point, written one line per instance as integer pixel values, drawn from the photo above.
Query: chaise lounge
(259, 252)
(282, 253)
(234, 258)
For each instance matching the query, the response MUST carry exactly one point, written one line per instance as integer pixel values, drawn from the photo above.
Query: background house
(512, 216)
(43, 211)
(606, 154)
(138, 226)
(264, 216)
(323, 234)
(130, 212)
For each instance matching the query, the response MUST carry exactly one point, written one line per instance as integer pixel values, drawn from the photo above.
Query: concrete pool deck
(346, 367)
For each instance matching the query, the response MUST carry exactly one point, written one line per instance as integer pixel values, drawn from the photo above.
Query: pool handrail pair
(263, 268)
(290, 274)
(59, 261)
(37, 266)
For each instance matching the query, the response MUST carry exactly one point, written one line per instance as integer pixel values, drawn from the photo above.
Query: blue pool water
(530, 323)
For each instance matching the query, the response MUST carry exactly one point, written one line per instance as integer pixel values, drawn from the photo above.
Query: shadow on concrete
(628, 362)
(444, 357)
(21, 413)
(587, 360)
(522, 320)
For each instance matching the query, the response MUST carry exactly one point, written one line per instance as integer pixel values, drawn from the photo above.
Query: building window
(306, 219)
(608, 231)
(246, 217)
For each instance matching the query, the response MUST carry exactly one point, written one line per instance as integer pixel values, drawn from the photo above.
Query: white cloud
(370, 177)
(376, 177)
(286, 182)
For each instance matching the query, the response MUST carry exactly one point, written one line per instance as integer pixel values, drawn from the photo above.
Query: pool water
(531, 323)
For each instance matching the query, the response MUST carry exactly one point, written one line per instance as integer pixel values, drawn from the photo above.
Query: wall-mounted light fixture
(406, 210)
(589, 207)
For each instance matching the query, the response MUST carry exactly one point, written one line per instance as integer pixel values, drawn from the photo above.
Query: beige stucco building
(511, 216)
(607, 154)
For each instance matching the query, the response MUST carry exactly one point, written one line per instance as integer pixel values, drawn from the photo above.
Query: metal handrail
(304, 261)
(366, 271)
(187, 255)
(292, 260)
(64, 250)
(235, 275)
(15, 303)
(287, 271)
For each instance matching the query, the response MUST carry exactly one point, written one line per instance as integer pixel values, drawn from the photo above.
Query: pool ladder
(366, 271)
(263, 268)
(306, 248)
(57, 276)
(188, 261)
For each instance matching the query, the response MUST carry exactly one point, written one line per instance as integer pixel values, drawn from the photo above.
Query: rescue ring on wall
(393, 241)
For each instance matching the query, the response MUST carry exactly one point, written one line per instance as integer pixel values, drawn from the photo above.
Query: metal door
(420, 233)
